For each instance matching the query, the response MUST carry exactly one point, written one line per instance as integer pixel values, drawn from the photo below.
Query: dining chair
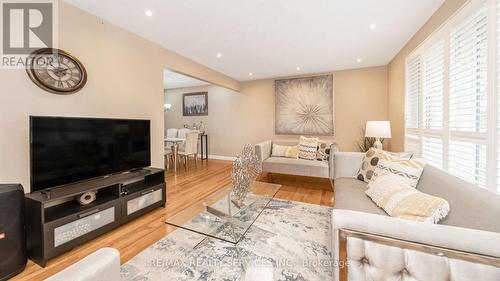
(172, 132)
(183, 132)
(168, 155)
(182, 135)
(190, 148)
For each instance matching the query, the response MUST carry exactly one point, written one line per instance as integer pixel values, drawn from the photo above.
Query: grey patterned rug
(289, 241)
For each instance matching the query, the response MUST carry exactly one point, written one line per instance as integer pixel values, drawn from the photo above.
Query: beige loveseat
(293, 166)
(463, 246)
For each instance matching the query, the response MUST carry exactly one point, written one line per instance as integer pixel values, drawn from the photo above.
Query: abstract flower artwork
(304, 106)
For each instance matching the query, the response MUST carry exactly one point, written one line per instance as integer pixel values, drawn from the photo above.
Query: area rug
(289, 241)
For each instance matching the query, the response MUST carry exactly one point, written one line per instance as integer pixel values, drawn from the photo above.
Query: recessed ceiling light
(219, 55)
(359, 60)
(372, 26)
(149, 13)
(250, 74)
(298, 68)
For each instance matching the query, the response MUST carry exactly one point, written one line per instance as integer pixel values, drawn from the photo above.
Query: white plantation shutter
(412, 93)
(412, 144)
(432, 151)
(468, 161)
(497, 62)
(468, 97)
(455, 121)
(468, 74)
(433, 84)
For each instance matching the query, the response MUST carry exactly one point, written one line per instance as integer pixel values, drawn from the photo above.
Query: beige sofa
(293, 166)
(463, 246)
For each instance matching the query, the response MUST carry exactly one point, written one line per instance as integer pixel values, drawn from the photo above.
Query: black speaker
(12, 230)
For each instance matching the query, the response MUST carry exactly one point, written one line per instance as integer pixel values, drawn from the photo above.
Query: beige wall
(396, 70)
(248, 116)
(125, 80)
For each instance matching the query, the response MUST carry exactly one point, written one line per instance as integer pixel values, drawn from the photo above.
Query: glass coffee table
(218, 217)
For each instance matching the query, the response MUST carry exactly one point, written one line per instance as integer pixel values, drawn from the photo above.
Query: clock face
(56, 71)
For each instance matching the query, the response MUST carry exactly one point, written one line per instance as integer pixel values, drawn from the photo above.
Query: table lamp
(377, 130)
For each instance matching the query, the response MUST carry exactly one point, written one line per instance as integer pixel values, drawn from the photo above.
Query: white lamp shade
(378, 129)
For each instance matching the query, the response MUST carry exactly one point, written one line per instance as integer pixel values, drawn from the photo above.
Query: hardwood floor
(183, 189)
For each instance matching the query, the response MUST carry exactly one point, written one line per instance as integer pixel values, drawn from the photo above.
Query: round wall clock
(56, 71)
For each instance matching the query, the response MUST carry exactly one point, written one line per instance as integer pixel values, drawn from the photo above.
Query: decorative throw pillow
(308, 147)
(371, 159)
(398, 199)
(323, 152)
(285, 151)
(408, 169)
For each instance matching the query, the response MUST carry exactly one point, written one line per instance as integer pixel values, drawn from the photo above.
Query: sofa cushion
(371, 159)
(470, 206)
(350, 195)
(285, 151)
(392, 193)
(323, 153)
(308, 148)
(408, 169)
(300, 167)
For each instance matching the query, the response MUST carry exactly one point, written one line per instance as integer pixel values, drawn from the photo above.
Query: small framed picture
(195, 104)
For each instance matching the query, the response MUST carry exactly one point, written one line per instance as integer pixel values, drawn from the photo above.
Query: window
(468, 71)
(449, 92)
(497, 65)
(412, 143)
(432, 151)
(412, 93)
(433, 87)
(468, 161)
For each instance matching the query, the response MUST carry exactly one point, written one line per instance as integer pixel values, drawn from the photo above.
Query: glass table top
(219, 217)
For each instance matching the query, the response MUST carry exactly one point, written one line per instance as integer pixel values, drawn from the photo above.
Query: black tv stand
(134, 170)
(56, 222)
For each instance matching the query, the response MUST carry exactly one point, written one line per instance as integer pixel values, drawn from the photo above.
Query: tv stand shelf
(57, 222)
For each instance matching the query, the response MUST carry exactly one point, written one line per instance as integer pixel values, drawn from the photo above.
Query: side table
(204, 147)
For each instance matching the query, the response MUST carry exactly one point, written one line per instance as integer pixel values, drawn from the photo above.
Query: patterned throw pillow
(408, 169)
(308, 147)
(285, 151)
(371, 159)
(323, 152)
(398, 199)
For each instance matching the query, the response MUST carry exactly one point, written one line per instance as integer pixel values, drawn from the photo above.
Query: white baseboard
(219, 157)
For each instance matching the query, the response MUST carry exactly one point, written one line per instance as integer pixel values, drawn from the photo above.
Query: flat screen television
(66, 150)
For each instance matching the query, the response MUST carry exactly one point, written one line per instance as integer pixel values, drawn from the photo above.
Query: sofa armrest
(103, 264)
(334, 148)
(347, 164)
(437, 235)
(263, 150)
(382, 246)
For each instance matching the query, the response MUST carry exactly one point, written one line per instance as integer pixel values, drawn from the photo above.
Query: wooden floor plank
(183, 189)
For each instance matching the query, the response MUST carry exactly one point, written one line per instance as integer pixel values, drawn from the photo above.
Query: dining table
(175, 149)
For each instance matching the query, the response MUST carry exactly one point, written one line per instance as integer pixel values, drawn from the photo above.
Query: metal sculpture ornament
(246, 168)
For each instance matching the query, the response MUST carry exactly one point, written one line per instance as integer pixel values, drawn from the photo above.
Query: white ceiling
(174, 80)
(270, 38)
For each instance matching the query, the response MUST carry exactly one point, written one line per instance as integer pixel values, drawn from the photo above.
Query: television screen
(66, 150)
